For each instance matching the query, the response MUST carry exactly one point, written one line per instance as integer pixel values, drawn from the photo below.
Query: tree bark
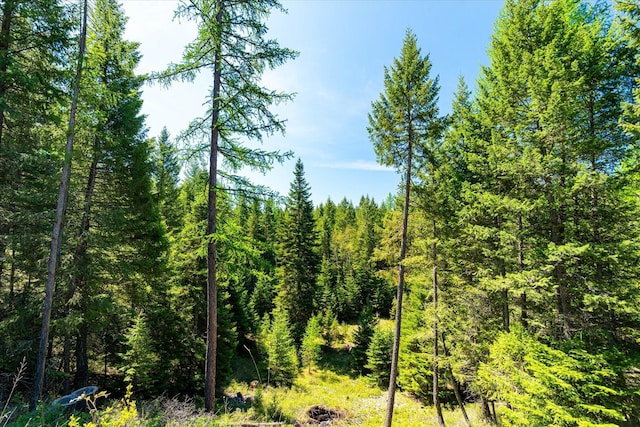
(5, 34)
(81, 378)
(212, 287)
(436, 385)
(400, 290)
(80, 279)
(66, 364)
(56, 238)
(456, 385)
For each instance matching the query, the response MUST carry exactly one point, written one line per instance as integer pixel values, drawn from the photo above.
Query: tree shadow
(337, 360)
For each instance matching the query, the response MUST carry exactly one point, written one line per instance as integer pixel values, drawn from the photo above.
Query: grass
(331, 385)
(362, 403)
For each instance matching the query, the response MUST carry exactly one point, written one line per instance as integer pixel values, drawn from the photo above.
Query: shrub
(379, 356)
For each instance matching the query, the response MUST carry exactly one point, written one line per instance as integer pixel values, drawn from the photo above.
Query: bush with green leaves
(379, 356)
(311, 350)
(282, 358)
(361, 340)
(544, 386)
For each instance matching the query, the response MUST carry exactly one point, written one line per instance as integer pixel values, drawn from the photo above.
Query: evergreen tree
(35, 39)
(297, 255)
(167, 175)
(362, 340)
(281, 351)
(630, 22)
(238, 107)
(56, 238)
(402, 126)
(140, 362)
(379, 356)
(311, 347)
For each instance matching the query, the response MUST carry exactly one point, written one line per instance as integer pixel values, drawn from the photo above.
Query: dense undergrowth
(356, 401)
(331, 386)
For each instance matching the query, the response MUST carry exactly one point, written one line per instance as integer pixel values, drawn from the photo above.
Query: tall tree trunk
(400, 290)
(80, 279)
(212, 287)
(66, 364)
(436, 385)
(5, 43)
(456, 385)
(56, 238)
(81, 378)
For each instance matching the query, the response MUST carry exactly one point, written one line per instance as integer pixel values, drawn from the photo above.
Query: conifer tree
(402, 124)
(167, 174)
(230, 44)
(311, 347)
(56, 238)
(362, 339)
(282, 357)
(297, 255)
(379, 356)
(630, 22)
(35, 59)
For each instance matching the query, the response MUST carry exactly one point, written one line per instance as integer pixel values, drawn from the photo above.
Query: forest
(500, 285)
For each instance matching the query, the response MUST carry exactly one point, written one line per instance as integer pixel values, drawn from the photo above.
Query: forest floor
(354, 401)
(331, 392)
(328, 395)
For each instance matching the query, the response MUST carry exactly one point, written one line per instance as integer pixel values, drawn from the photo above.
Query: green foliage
(311, 347)
(362, 340)
(546, 386)
(139, 360)
(297, 255)
(404, 122)
(379, 356)
(329, 326)
(282, 358)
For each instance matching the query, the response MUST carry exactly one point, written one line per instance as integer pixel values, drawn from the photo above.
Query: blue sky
(344, 46)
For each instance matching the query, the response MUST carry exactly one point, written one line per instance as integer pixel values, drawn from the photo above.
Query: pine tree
(297, 255)
(402, 125)
(361, 340)
(630, 21)
(238, 107)
(311, 347)
(167, 175)
(35, 41)
(379, 356)
(61, 206)
(281, 351)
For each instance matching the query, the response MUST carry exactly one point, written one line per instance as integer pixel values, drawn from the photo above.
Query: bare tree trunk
(400, 291)
(212, 287)
(436, 385)
(486, 411)
(81, 278)
(5, 42)
(81, 378)
(66, 364)
(56, 238)
(456, 385)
